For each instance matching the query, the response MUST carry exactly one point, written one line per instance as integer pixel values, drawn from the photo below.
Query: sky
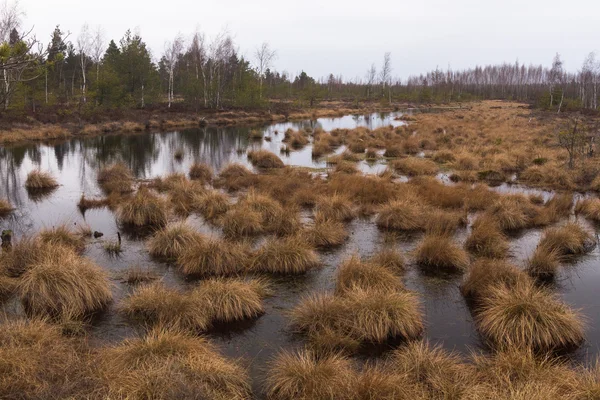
(346, 37)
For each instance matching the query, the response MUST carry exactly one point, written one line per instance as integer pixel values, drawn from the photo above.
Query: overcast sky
(345, 37)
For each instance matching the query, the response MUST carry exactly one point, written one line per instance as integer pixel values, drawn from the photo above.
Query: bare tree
(573, 138)
(555, 79)
(197, 51)
(172, 52)
(84, 47)
(371, 77)
(386, 75)
(98, 43)
(21, 54)
(264, 57)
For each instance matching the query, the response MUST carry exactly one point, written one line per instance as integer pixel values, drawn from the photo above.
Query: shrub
(440, 253)
(167, 364)
(304, 375)
(144, 209)
(289, 255)
(116, 178)
(170, 241)
(37, 179)
(527, 316)
(62, 284)
(213, 257)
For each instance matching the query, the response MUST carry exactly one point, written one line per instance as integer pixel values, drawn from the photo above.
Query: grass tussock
(569, 239)
(442, 222)
(62, 235)
(389, 258)
(529, 317)
(441, 253)
(241, 221)
(170, 241)
(441, 374)
(157, 305)
(485, 274)
(235, 177)
(38, 362)
(5, 207)
(201, 172)
(413, 166)
(144, 209)
(401, 215)
(167, 364)
(116, 178)
(486, 239)
(22, 255)
(544, 263)
(335, 207)
(589, 208)
(213, 257)
(87, 203)
(289, 255)
(305, 375)
(40, 180)
(8, 287)
(232, 299)
(325, 233)
(135, 275)
(63, 284)
(354, 273)
(264, 159)
(211, 204)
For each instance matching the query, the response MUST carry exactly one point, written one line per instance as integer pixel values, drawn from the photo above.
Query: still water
(75, 164)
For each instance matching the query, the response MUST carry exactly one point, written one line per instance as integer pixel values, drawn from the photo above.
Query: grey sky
(345, 37)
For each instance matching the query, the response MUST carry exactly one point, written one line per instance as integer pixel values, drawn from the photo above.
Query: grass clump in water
(401, 215)
(213, 257)
(285, 256)
(40, 180)
(5, 207)
(116, 178)
(354, 273)
(264, 159)
(486, 273)
(306, 375)
(61, 235)
(389, 258)
(440, 253)
(211, 204)
(169, 242)
(60, 284)
(486, 239)
(528, 317)
(201, 172)
(144, 209)
(168, 364)
(325, 232)
(335, 207)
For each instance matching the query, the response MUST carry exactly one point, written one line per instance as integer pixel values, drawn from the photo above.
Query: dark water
(75, 164)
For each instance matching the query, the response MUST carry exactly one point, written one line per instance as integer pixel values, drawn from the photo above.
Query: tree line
(86, 72)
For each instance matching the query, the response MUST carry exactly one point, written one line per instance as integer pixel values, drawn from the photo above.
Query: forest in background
(85, 74)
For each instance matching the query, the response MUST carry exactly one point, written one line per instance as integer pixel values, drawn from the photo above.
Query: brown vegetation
(40, 180)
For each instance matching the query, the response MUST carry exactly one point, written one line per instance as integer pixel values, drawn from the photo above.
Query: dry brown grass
(62, 235)
(486, 273)
(335, 207)
(167, 364)
(116, 178)
(240, 221)
(170, 241)
(325, 233)
(38, 362)
(486, 239)
(19, 258)
(211, 204)
(40, 180)
(235, 177)
(144, 209)
(201, 172)
(442, 222)
(544, 263)
(136, 274)
(566, 240)
(157, 305)
(305, 375)
(401, 215)
(86, 203)
(284, 256)
(213, 257)
(354, 273)
(5, 207)
(413, 166)
(60, 283)
(440, 253)
(527, 316)
(232, 299)
(264, 159)
(389, 258)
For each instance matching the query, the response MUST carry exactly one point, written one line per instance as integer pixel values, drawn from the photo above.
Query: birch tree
(264, 58)
(172, 52)
(371, 77)
(98, 46)
(386, 75)
(84, 48)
